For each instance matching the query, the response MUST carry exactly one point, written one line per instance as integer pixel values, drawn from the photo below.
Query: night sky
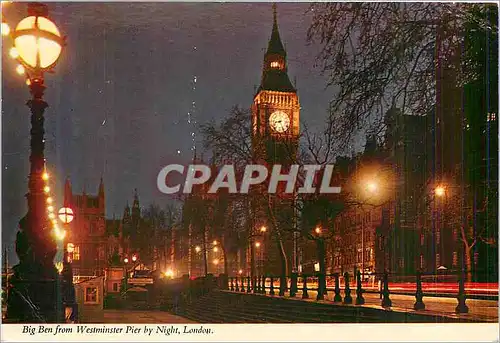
(120, 95)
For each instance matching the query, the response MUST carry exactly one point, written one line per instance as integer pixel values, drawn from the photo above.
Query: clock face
(279, 121)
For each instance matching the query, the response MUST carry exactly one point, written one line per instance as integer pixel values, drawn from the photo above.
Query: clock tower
(275, 135)
(275, 109)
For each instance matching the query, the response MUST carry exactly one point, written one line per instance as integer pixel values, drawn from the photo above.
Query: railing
(323, 283)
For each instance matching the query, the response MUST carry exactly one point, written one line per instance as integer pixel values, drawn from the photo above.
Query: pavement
(482, 310)
(138, 317)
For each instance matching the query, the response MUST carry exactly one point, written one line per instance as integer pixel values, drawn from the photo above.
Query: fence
(353, 284)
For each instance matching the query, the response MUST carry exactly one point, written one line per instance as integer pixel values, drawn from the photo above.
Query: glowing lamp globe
(66, 215)
(38, 43)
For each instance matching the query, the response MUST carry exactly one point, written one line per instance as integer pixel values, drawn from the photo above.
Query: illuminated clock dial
(279, 121)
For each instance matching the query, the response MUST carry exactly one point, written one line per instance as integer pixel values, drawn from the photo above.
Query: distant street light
(134, 258)
(215, 242)
(372, 187)
(216, 249)
(440, 191)
(169, 273)
(257, 244)
(263, 229)
(240, 271)
(125, 260)
(317, 230)
(197, 249)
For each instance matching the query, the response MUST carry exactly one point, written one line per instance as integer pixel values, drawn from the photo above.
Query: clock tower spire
(275, 71)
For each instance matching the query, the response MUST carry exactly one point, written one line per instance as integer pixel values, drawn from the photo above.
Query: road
(137, 317)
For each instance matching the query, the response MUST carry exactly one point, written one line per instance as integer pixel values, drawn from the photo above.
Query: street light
(440, 191)
(197, 249)
(263, 229)
(125, 260)
(317, 230)
(216, 249)
(257, 244)
(134, 258)
(38, 43)
(372, 186)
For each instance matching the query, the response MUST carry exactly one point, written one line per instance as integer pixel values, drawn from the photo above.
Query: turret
(126, 221)
(136, 214)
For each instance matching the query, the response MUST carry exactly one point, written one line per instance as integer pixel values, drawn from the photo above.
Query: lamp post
(66, 216)
(372, 188)
(38, 44)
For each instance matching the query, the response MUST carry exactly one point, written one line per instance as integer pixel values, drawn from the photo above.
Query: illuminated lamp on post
(39, 44)
(66, 216)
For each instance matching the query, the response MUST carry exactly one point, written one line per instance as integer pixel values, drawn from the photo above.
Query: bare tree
(381, 55)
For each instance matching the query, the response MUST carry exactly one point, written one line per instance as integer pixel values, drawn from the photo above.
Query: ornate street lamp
(38, 45)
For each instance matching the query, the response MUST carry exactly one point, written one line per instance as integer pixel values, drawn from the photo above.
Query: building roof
(276, 80)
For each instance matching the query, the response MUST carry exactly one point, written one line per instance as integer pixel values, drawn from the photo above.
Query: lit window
(275, 64)
(76, 253)
(115, 287)
(91, 295)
